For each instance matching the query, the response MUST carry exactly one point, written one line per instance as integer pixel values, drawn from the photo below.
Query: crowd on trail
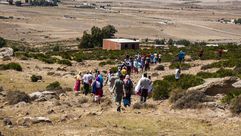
(120, 83)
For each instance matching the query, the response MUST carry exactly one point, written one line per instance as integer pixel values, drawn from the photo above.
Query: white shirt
(90, 77)
(86, 79)
(177, 73)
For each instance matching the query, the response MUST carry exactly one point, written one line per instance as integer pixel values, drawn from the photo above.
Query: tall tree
(86, 41)
(96, 36)
(109, 31)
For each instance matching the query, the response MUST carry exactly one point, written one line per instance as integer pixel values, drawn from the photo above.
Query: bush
(54, 86)
(35, 78)
(206, 75)
(160, 68)
(225, 72)
(2, 42)
(184, 99)
(109, 62)
(12, 65)
(226, 63)
(235, 106)
(65, 62)
(183, 42)
(14, 97)
(144, 106)
(161, 90)
(186, 81)
(230, 96)
(183, 66)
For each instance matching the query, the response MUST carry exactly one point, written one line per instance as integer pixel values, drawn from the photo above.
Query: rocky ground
(68, 114)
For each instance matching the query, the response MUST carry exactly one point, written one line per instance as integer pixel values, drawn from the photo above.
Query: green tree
(160, 41)
(86, 41)
(170, 42)
(96, 36)
(108, 31)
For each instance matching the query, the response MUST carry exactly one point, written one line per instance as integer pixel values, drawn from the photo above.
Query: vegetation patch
(12, 65)
(183, 66)
(14, 97)
(230, 96)
(144, 106)
(162, 88)
(65, 62)
(109, 62)
(219, 74)
(184, 99)
(235, 106)
(2, 42)
(54, 86)
(36, 78)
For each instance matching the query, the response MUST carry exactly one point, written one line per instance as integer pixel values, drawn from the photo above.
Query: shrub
(230, 96)
(161, 90)
(183, 66)
(225, 72)
(12, 65)
(184, 99)
(54, 86)
(14, 97)
(226, 63)
(206, 75)
(160, 68)
(109, 62)
(183, 42)
(144, 106)
(35, 78)
(186, 81)
(235, 106)
(2, 42)
(65, 62)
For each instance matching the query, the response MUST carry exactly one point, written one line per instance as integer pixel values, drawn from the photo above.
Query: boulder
(6, 52)
(7, 122)
(43, 96)
(28, 121)
(237, 84)
(159, 68)
(214, 86)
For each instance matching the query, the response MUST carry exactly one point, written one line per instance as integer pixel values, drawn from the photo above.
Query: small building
(120, 44)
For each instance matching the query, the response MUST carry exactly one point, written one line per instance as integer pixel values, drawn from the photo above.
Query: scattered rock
(237, 84)
(6, 52)
(7, 122)
(43, 96)
(27, 121)
(216, 86)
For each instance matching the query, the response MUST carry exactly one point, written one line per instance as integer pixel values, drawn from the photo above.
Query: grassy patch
(109, 62)
(12, 65)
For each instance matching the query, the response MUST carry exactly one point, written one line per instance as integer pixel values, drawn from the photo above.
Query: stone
(216, 86)
(7, 122)
(6, 52)
(237, 84)
(27, 121)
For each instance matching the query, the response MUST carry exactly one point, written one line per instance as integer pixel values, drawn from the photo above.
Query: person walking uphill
(144, 84)
(86, 83)
(118, 90)
(128, 87)
(77, 83)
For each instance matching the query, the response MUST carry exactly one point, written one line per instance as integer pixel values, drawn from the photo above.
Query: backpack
(128, 86)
